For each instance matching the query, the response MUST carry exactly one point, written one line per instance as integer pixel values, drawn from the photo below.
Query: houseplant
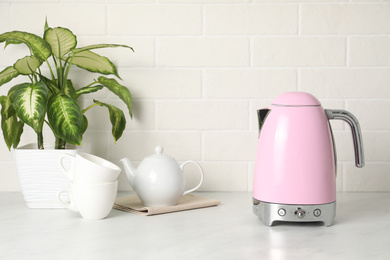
(54, 96)
(52, 99)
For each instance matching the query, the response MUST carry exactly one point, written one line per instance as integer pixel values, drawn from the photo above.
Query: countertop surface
(361, 230)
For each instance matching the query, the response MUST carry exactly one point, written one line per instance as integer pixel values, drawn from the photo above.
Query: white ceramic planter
(40, 176)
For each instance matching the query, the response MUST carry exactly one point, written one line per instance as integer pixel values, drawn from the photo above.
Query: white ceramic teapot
(159, 180)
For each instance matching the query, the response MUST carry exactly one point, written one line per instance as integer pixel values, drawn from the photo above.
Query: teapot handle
(201, 176)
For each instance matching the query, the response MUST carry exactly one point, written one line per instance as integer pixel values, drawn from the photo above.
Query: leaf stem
(60, 144)
(68, 67)
(35, 77)
(95, 82)
(88, 108)
(48, 123)
(60, 73)
(40, 140)
(51, 71)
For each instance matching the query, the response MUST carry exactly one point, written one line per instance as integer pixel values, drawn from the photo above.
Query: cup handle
(67, 172)
(201, 176)
(69, 205)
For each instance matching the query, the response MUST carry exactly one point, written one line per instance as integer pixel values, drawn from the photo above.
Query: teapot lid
(159, 154)
(296, 99)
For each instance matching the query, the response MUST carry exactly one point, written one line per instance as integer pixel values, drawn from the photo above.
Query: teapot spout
(130, 171)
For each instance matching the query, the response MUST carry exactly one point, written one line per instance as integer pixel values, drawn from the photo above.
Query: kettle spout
(130, 171)
(262, 115)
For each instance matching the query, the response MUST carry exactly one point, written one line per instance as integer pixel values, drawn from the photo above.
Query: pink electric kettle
(295, 168)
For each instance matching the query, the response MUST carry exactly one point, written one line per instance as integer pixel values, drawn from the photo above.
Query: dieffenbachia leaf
(18, 131)
(38, 46)
(11, 127)
(29, 101)
(7, 123)
(50, 84)
(8, 42)
(100, 46)
(8, 74)
(27, 65)
(12, 90)
(121, 91)
(93, 62)
(87, 90)
(61, 40)
(65, 118)
(69, 89)
(117, 118)
(85, 122)
(46, 26)
(7, 110)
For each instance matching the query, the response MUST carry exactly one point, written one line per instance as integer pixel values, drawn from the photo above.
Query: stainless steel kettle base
(271, 212)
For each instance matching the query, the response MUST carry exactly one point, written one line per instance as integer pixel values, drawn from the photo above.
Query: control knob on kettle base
(295, 167)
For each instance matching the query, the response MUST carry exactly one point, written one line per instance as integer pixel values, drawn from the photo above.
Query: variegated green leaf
(8, 126)
(61, 40)
(93, 62)
(87, 90)
(29, 101)
(7, 110)
(8, 74)
(85, 126)
(65, 118)
(18, 131)
(27, 65)
(12, 90)
(8, 122)
(69, 89)
(46, 26)
(100, 46)
(8, 42)
(38, 47)
(50, 84)
(117, 118)
(11, 127)
(121, 91)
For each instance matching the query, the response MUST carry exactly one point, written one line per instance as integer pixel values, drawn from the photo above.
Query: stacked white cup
(93, 186)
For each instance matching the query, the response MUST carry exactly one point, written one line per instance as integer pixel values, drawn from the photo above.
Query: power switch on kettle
(282, 212)
(300, 213)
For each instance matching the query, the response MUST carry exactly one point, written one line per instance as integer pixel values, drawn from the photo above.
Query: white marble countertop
(361, 230)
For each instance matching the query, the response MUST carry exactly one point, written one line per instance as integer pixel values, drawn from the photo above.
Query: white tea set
(158, 181)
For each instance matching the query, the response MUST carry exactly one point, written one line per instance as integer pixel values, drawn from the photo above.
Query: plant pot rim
(50, 146)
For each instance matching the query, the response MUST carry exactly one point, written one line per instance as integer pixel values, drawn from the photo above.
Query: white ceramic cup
(88, 168)
(92, 201)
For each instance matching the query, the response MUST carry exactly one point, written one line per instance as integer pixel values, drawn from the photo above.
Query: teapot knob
(159, 150)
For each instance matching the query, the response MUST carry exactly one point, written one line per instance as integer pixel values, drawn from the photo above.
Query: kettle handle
(356, 133)
(201, 176)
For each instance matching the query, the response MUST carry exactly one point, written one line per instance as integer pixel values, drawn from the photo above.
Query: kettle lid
(296, 99)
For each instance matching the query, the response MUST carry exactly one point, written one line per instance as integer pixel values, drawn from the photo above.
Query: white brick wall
(299, 51)
(202, 68)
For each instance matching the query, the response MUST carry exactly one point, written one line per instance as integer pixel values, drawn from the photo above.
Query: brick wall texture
(201, 69)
